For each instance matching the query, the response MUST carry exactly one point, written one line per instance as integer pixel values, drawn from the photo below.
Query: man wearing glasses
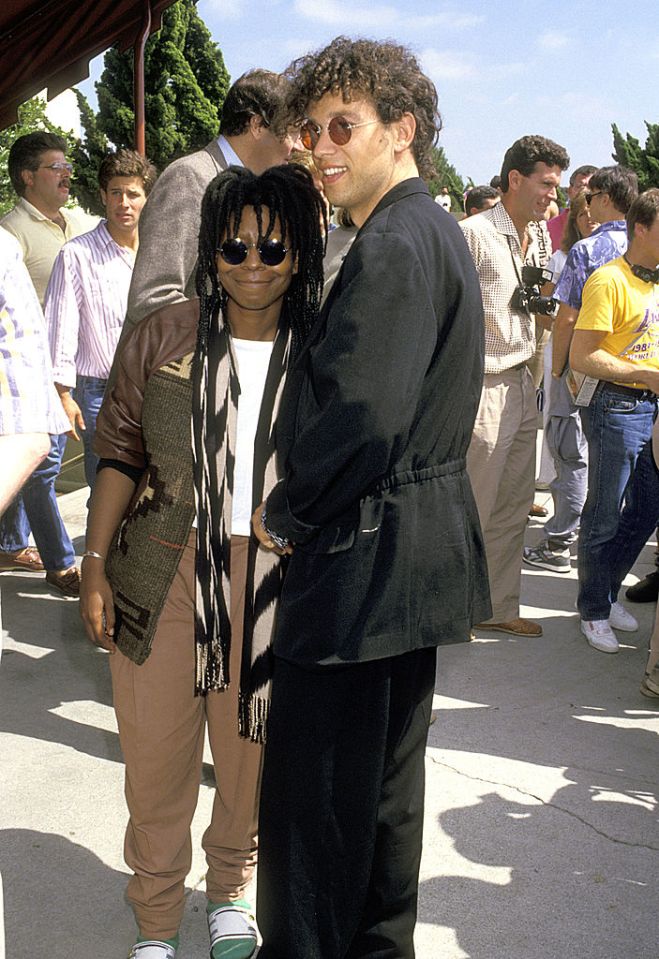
(376, 510)
(41, 176)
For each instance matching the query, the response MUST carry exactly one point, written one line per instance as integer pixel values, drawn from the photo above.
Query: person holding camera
(501, 458)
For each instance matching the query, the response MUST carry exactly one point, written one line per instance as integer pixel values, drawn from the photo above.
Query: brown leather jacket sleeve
(160, 338)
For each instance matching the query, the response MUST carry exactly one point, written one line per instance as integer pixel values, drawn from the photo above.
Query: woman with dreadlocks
(174, 585)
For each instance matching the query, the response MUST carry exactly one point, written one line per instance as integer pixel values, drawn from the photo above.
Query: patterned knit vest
(147, 547)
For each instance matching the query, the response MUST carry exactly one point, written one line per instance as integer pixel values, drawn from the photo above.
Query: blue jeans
(569, 449)
(36, 507)
(14, 527)
(618, 426)
(88, 395)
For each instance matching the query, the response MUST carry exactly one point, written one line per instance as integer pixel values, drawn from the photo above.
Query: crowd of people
(308, 399)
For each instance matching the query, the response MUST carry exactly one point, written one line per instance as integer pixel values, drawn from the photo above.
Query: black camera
(529, 298)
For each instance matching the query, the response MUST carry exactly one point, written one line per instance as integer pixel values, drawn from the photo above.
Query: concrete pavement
(541, 835)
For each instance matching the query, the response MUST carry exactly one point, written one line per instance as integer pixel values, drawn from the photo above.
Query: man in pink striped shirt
(85, 302)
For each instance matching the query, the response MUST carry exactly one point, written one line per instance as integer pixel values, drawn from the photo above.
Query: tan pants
(501, 467)
(161, 729)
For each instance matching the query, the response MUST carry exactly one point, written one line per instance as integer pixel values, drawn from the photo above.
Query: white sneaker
(600, 635)
(621, 618)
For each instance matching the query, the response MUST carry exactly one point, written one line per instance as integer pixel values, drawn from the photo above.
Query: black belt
(637, 394)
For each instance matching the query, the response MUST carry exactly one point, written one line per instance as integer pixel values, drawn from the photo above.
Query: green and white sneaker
(232, 929)
(152, 949)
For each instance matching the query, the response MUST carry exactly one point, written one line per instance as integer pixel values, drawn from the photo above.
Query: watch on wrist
(280, 541)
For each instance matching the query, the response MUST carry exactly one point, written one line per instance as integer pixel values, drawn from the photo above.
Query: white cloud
(224, 9)
(447, 64)
(447, 20)
(347, 16)
(63, 111)
(553, 40)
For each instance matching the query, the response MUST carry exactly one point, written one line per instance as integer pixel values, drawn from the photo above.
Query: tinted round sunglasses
(234, 252)
(339, 130)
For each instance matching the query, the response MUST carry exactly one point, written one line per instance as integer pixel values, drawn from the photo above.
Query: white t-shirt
(556, 264)
(253, 358)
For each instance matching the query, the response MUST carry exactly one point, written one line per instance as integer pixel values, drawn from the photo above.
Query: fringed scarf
(215, 414)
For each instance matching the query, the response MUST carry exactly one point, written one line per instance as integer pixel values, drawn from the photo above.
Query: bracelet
(280, 541)
(92, 555)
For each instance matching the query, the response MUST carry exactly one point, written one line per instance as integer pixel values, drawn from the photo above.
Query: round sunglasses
(234, 252)
(339, 130)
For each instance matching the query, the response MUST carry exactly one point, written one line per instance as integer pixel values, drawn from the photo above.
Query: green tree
(447, 175)
(31, 118)
(644, 162)
(186, 82)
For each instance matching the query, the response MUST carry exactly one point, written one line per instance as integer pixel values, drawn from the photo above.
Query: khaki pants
(501, 467)
(161, 729)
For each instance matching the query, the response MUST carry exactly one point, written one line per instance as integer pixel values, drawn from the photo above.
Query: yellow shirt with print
(627, 309)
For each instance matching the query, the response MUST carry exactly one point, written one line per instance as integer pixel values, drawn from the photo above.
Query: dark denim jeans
(36, 507)
(618, 426)
(14, 527)
(88, 395)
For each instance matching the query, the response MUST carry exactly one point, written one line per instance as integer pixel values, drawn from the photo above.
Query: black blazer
(372, 436)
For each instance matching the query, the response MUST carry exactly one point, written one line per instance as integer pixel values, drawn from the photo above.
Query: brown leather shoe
(67, 582)
(537, 510)
(26, 560)
(516, 627)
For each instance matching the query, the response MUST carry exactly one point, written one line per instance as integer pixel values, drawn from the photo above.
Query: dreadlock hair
(283, 195)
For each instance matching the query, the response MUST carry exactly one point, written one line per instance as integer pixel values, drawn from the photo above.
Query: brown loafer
(27, 559)
(68, 583)
(538, 510)
(516, 627)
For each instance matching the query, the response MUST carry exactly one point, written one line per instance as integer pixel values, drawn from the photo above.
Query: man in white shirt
(444, 200)
(87, 293)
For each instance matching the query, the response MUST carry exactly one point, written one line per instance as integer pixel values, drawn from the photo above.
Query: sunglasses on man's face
(591, 196)
(234, 252)
(339, 130)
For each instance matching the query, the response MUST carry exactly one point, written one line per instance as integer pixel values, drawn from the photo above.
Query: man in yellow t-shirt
(616, 340)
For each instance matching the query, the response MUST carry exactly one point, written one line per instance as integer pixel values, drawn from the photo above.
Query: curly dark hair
(381, 71)
(527, 151)
(127, 163)
(285, 195)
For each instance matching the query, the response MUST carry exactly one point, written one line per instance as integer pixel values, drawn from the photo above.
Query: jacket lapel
(216, 155)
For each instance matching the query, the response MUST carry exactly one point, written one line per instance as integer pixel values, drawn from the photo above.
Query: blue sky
(566, 70)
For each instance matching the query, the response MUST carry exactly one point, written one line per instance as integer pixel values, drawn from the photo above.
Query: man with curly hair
(376, 512)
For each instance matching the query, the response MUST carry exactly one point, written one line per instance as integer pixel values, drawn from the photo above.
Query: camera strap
(543, 252)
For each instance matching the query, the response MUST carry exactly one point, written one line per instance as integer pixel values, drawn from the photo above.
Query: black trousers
(341, 820)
